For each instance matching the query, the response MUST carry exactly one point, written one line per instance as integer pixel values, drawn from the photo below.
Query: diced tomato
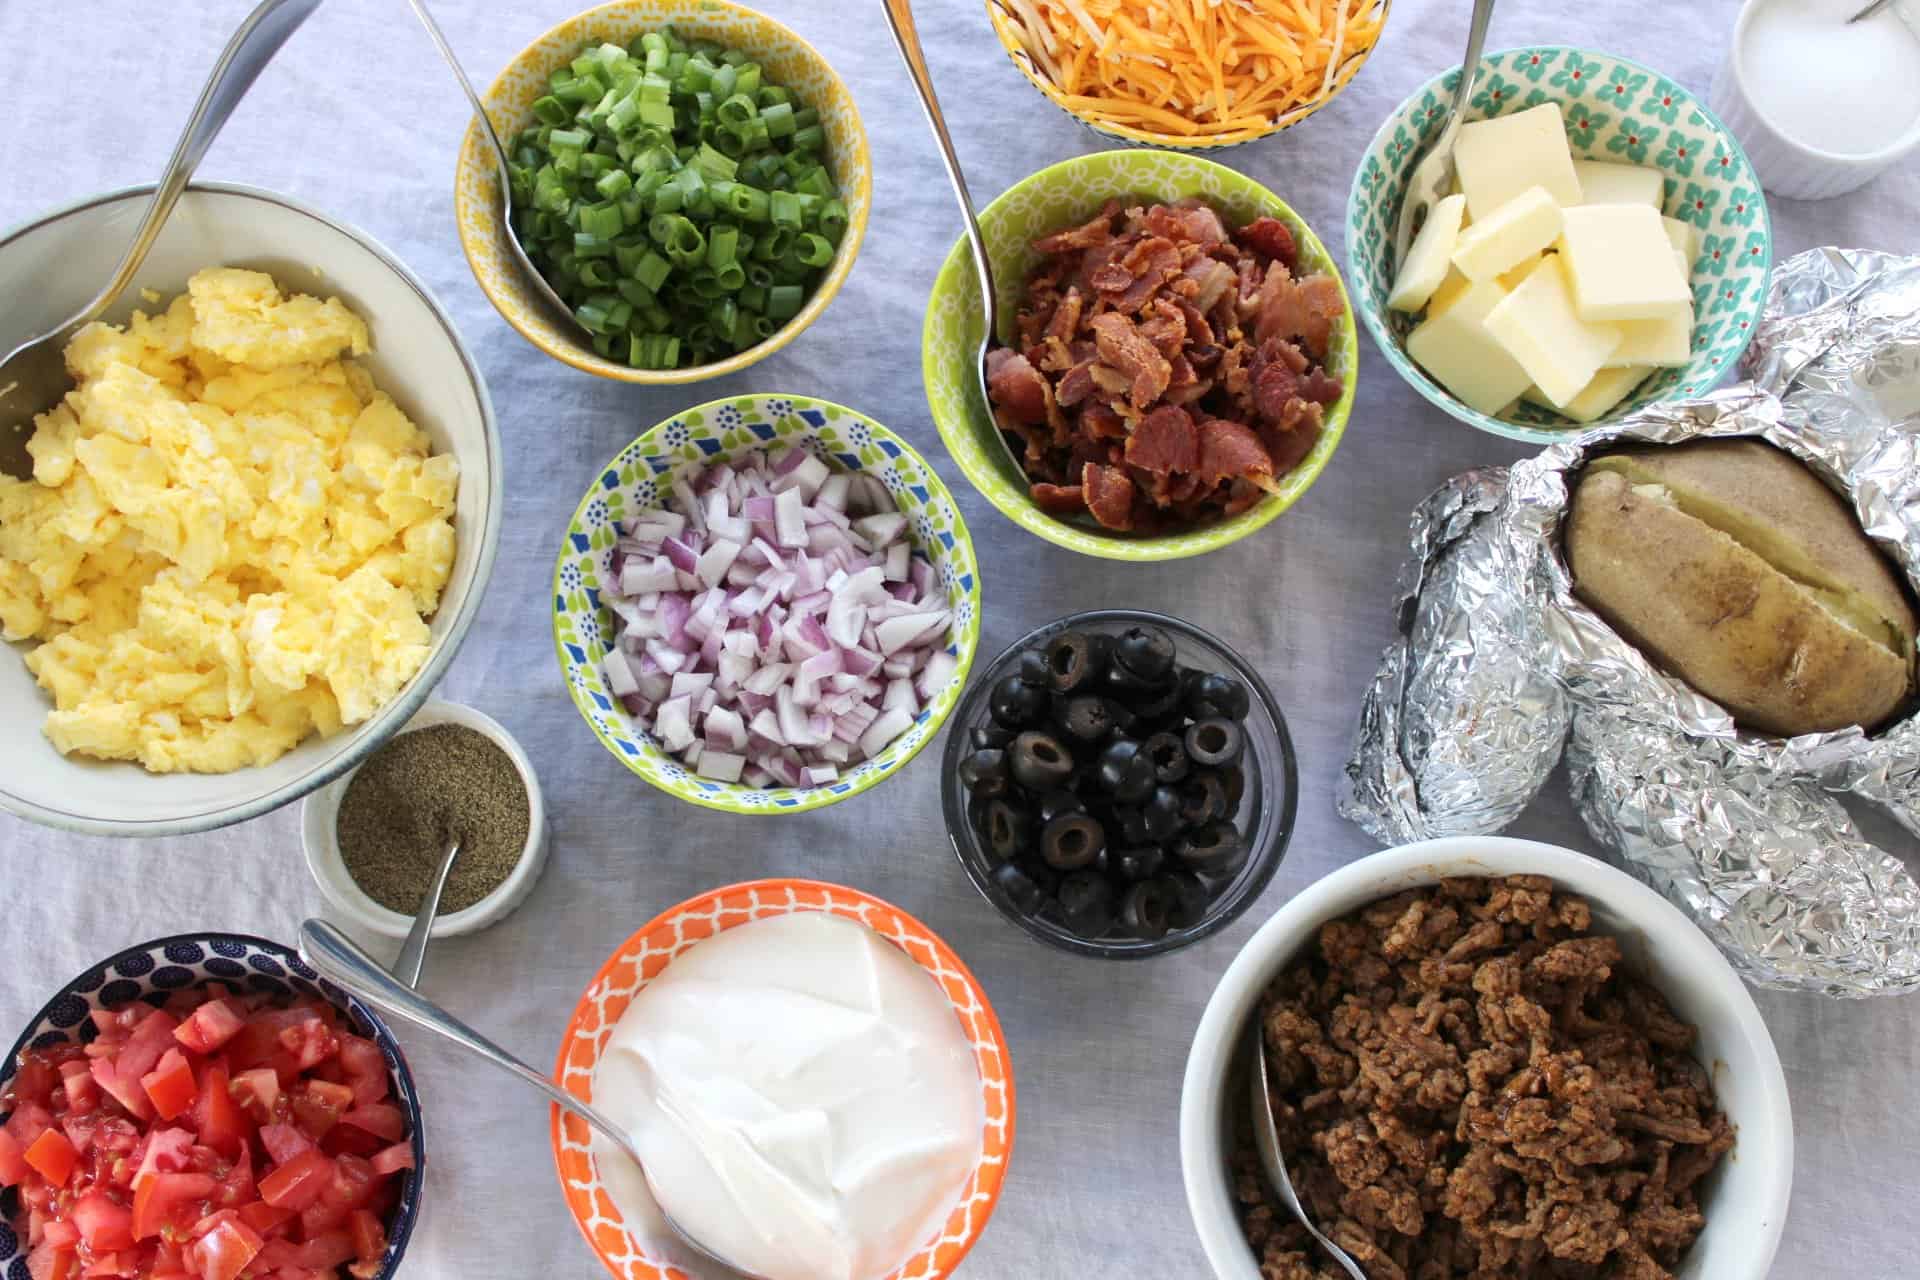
(299, 1182)
(128, 1092)
(283, 1142)
(28, 1121)
(216, 1116)
(13, 1164)
(236, 1186)
(34, 1080)
(265, 1218)
(310, 1041)
(47, 1262)
(324, 1251)
(395, 1158)
(225, 1250)
(164, 1198)
(365, 1067)
(52, 1156)
(104, 1225)
(170, 1085)
(168, 1151)
(258, 1093)
(209, 1027)
(382, 1119)
(317, 1106)
(319, 1218)
(83, 1091)
(345, 1139)
(369, 1235)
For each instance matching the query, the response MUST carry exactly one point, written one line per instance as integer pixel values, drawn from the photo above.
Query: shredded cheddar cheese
(1205, 70)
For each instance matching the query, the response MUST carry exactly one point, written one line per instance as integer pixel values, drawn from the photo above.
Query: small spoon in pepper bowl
(413, 952)
(1266, 1136)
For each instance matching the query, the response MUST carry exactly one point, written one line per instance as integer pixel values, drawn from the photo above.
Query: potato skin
(1721, 618)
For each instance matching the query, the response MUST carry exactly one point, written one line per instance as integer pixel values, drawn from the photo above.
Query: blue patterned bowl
(716, 432)
(152, 971)
(1616, 110)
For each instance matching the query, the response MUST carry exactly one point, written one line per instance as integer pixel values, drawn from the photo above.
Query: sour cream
(804, 1096)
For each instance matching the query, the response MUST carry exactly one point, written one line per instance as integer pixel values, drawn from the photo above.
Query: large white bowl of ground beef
(1490, 1057)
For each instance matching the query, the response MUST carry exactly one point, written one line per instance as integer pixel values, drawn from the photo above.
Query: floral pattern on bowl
(1616, 111)
(1060, 196)
(715, 432)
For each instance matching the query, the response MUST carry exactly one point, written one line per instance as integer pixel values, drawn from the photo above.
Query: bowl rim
(439, 657)
(1239, 988)
(806, 798)
(405, 1089)
(471, 153)
(997, 17)
(792, 887)
(320, 843)
(1185, 543)
(1265, 864)
(1417, 378)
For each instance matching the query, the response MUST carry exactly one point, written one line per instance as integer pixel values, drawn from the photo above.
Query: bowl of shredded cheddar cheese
(1188, 73)
(255, 529)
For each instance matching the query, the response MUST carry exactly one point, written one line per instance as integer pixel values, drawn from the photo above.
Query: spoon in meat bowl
(1266, 1136)
(1434, 174)
(336, 958)
(900, 19)
(34, 377)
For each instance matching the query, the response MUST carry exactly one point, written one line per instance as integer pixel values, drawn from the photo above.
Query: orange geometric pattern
(641, 958)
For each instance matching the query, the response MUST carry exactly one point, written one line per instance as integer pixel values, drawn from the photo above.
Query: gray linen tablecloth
(358, 117)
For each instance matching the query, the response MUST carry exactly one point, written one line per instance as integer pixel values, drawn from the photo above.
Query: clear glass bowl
(1266, 813)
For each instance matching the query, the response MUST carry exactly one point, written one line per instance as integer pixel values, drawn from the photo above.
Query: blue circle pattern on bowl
(637, 479)
(1616, 110)
(152, 971)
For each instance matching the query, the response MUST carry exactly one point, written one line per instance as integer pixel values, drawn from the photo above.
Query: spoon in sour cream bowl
(337, 959)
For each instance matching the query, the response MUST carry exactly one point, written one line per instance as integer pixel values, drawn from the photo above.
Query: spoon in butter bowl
(1266, 1136)
(33, 377)
(340, 961)
(1434, 174)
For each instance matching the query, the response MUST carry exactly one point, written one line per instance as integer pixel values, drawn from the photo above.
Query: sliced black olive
(1075, 661)
(1055, 803)
(1085, 717)
(1215, 742)
(1191, 898)
(1039, 761)
(1214, 694)
(1017, 704)
(1126, 772)
(1040, 873)
(1145, 651)
(1147, 910)
(1004, 827)
(1114, 759)
(990, 735)
(1161, 814)
(1138, 862)
(1132, 823)
(1216, 849)
(984, 773)
(1203, 799)
(1168, 751)
(1033, 668)
(1021, 893)
(1235, 780)
(1072, 841)
(1131, 687)
(1158, 705)
(1122, 716)
(1087, 903)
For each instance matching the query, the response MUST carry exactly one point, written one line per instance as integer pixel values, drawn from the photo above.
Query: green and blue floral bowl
(1065, 195)
(1616, 110)
(720, 431)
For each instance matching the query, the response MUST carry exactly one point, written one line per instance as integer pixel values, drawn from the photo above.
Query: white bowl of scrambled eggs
(255, 534)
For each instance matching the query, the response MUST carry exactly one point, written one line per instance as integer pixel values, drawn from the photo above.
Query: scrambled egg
(231, 536)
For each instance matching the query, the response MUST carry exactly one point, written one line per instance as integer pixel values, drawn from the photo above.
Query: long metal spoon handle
(413, 952)
(907, 37)
(245, 56)
(460, 74)
(1469, 70)
(337, 959)
(1267, 1138)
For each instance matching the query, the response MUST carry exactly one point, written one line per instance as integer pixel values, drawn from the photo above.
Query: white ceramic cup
(1788, 167)
(319, 816)
(1744, 1199)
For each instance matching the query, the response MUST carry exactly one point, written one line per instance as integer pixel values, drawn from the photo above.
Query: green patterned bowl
(1616, 110)
(716, 432)
(1067, 193)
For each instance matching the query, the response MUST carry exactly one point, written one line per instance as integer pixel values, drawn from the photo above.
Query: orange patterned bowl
(641, 958)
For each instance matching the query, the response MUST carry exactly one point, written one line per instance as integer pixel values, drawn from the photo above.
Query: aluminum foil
(1498, 672)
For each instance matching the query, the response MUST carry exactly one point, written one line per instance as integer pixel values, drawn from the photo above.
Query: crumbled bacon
(1168, 370)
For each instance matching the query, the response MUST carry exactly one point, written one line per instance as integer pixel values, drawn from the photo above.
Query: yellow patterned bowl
(788, 60)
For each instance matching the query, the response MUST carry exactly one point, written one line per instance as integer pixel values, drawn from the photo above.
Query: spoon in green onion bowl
(503, 176)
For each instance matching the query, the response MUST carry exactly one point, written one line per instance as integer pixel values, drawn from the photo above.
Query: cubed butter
(1684, 238)
(1516, 231)
(1537, 325)
(1608, 388)
(1452, 344)
(1602, 182)
(1426, 264)
(1619, 263)
(1499, 158)
(1665, 343)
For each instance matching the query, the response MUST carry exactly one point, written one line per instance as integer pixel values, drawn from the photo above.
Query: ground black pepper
(417, 793)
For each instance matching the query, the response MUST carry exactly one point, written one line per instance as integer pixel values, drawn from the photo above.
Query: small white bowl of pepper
(374, 838)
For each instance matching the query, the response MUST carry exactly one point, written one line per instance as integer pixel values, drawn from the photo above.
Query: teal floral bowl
(1064, 195)
(1616, 110)
(721, 431)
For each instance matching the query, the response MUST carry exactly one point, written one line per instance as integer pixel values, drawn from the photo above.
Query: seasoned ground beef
(1468, 1086)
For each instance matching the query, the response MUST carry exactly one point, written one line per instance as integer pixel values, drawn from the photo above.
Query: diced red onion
(889, 726)
(721, 766)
